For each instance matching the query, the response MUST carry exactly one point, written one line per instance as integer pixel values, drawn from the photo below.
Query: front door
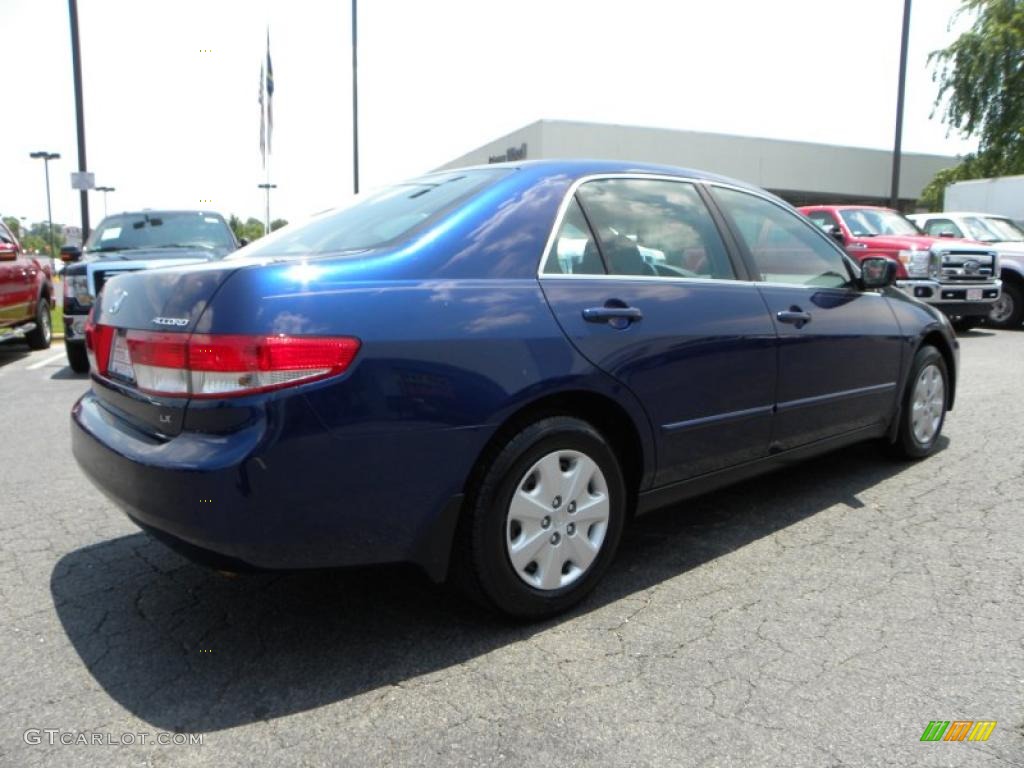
(652, 299)
(839, 347)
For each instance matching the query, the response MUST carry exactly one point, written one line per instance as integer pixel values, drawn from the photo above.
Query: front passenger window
(784, 248)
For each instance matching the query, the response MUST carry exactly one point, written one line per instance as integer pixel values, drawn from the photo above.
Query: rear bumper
(268, 501)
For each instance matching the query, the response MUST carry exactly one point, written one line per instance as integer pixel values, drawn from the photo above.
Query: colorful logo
(958, 730)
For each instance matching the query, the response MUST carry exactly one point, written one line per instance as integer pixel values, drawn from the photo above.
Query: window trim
(852, 269)
(739, 266)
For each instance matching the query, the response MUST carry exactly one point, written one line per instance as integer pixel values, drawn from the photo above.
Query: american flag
(270, 94)
(263, 123)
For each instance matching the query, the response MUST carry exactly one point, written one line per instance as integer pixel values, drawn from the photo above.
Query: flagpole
(355, 107)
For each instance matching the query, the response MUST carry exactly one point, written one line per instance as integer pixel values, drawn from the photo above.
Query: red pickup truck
(958, 277)
(26, 294)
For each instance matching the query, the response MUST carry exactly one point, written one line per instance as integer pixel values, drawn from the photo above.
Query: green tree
(14, 225)
(248, 230)
(981, 82)
(277, 224)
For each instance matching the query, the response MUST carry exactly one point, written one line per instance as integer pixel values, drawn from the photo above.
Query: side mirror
(833, 231)
(70, 253)
(877, 272)
(8, 251)
(946, 234)
(243, 241)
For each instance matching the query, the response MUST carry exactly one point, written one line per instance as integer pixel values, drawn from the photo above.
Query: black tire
(908, 445)
(41, 336)
(482, 567)
(964, 324)
(77, 358)
(1013, 294)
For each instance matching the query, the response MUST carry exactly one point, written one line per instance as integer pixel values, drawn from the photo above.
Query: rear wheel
(77, 357)
(42, 334)
(544, 521)
(1008, 310)
(924, 405)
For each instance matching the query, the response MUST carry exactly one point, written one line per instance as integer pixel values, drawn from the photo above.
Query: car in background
(432, 376)
(26, 294)
(128, 242)
(999, 232)
(959, 277)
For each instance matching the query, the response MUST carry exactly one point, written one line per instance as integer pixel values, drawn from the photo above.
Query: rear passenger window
(574, 251)
(784, 248)
(654, 228)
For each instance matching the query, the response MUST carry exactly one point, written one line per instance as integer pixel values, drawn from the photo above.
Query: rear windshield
(182, 229)
(376, 219)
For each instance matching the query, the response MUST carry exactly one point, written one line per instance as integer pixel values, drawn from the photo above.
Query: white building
(801, 172)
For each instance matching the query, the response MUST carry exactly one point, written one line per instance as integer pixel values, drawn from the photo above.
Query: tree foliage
(252, 228)
(36, 238)
(248, 230)
(981, 90)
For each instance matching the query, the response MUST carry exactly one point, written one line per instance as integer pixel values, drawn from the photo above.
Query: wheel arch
(606, 415)
(937, 340)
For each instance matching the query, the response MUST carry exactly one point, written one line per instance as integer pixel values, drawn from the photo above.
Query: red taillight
(97, 343)
(209, 365)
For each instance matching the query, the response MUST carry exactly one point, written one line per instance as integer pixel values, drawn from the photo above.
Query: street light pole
(46, 157)
(76, 69)
(267, 187)
(104, 190)
(355, 106)
(897, 152)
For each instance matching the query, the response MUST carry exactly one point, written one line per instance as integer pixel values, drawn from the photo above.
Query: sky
(171, 88)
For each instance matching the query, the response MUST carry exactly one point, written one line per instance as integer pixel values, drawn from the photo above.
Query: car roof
(578, 168)
(164, 212)
(964, 213)
(846, 207)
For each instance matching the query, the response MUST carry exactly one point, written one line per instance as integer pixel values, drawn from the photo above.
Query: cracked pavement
(820, 616)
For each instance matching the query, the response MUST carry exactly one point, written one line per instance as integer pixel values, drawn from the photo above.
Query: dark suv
(128, 242)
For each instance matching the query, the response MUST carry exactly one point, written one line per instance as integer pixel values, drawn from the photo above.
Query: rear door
(839, 347)
(641, 282)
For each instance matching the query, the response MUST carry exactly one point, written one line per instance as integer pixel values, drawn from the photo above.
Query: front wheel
(1008, 309)
(544, 520)
(40, 336)
(924, 405)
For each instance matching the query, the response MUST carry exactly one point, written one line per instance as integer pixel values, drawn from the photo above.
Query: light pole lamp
(267, 187)
(46, 157)
(104, 190)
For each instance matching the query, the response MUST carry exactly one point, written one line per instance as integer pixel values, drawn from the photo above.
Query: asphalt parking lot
(821, 616)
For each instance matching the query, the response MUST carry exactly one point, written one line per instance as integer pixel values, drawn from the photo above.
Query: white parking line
(44, 363)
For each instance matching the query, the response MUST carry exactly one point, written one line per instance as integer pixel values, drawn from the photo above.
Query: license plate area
(120, 365)
(974, 294)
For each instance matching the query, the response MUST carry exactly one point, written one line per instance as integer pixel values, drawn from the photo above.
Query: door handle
(795, 316)
(618, 317)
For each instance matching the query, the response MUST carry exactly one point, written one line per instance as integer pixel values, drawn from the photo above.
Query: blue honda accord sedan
(488, 371)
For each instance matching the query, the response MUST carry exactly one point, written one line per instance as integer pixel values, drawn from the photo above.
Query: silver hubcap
(928, 404)
(1002, 308)
(557, 520)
